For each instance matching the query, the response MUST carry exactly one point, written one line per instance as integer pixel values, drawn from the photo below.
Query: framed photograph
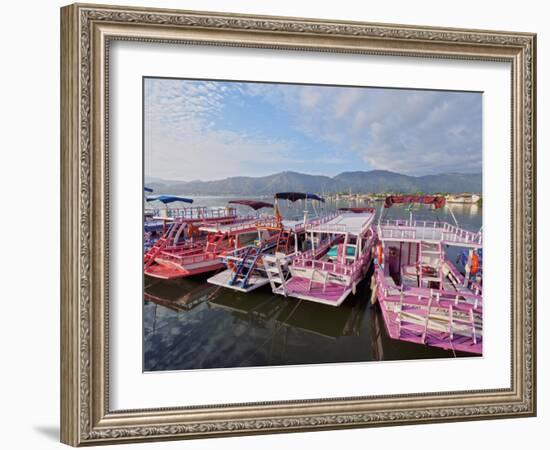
(276, 224)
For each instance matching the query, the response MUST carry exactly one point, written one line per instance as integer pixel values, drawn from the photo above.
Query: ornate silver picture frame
(87, 31)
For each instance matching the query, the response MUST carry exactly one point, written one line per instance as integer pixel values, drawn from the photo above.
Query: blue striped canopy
(168, 199)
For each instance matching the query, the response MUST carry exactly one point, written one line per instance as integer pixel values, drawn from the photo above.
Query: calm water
(190, 324)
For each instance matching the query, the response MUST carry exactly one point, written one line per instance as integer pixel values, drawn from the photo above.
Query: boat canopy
(293, 196)
(252, 203)
(359, 210)
(168, 199)
(437, 201)
(147, 189)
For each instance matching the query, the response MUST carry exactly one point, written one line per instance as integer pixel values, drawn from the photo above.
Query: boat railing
(251, 224)
(320, 250)
(237, 254)
(189, 259)
(326, 266)
(302, 261)
(427, 230)
(327, 227)
(323, 227)
(455, 234)
(473, 286)
(321, 220)
(194, 212)
(397, 293)
(241, 223)
(184, 246)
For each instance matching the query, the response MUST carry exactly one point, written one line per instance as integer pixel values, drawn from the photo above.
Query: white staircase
(276, 268)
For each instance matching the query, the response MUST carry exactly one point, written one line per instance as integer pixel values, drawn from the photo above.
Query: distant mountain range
(360, 181)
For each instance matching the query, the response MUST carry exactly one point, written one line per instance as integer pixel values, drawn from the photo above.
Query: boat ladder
(213, 242)
(276, 268)
(245, 267)
(283, 242)
(154, 251)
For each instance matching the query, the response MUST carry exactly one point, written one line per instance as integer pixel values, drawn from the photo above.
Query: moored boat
(194, 245)
(423, 296)
(338, 258)
(277, 243)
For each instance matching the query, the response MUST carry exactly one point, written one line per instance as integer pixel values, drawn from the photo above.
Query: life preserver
(380, 254)
(475, 264)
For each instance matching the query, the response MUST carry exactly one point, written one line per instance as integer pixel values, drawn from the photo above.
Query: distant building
(465, 198)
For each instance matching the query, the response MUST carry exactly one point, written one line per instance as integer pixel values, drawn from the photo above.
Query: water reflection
(190, 324)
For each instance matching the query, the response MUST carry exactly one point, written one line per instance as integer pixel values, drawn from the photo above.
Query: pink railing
(185, 246)
(321, 250)
(472, 285)
(457, 297)
(190, 259)
(352, 270)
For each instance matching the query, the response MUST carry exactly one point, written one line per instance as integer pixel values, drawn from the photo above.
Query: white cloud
(182, 142)
(413, 132)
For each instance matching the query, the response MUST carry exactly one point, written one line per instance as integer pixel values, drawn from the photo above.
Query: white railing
(244, 223)
(334, 267)
(427, 230)
(472, 299)
(321, 220)
(327, 228)
(323, 227)
(194, 212)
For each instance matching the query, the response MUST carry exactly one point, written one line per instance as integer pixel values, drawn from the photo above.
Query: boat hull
(169, 270)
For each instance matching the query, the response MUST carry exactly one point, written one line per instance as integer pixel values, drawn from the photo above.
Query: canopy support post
(453, 216)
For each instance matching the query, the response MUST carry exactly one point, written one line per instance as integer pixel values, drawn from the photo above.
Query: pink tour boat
(424, 298)
(339, 257)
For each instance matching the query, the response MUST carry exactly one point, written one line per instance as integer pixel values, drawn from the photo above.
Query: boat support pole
(453, 216)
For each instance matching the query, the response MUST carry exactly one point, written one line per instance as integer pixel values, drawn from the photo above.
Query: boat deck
(330, 294)
(449, 318)
(352, 223)
(406, 325)
(222, 279)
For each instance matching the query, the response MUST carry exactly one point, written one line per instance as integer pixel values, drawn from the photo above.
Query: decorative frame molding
(86, 31)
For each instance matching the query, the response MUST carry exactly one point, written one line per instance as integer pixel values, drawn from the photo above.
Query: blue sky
(211, 129)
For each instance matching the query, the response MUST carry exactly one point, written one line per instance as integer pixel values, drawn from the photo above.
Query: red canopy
(252, 203)
(437, 201)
